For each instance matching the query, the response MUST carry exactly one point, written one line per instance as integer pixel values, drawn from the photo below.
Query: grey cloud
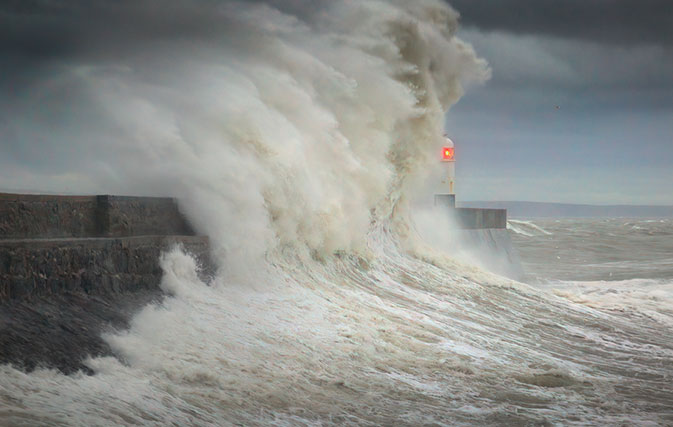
(600, 55)
(39, 37)
(66, 28)
(607, 63)
(39, 31)
(43, 44)
(608, 21)
(578, 74)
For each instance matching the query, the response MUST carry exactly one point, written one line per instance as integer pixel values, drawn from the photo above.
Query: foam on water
(387, 339)
(645, 297)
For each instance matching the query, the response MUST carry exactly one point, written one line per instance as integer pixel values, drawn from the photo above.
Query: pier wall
(492, 249)
(481, 237)
(26, 216)
(479, 218)
(88, 244)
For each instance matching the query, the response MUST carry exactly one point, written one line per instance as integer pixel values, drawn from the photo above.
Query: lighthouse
(446, 195)
(480, 231)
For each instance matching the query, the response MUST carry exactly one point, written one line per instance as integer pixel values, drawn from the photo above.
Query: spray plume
(291, 124)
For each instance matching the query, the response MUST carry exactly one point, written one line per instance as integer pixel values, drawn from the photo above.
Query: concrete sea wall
(494, 250)
(72, 267)
(34, 216)
(482, 233)
(479, 218)
(472, 218)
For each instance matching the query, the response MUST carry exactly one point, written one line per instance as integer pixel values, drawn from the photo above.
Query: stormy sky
(580, 106)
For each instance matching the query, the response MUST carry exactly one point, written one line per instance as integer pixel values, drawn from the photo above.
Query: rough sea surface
(398, 337)
(619, 264)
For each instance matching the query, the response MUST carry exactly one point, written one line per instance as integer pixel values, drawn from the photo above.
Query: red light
(447, 154)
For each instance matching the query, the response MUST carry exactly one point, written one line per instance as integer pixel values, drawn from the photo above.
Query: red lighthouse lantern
(448, 154)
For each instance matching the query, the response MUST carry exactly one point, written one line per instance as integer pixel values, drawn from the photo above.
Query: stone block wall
(140, 216)
(39, 268)
(25, 216)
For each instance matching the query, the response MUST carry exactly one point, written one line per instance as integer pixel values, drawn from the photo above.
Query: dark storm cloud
(45, 44)
(39, 37)
(608, 21)
(549, 63)
(599, 55)
(58, 29)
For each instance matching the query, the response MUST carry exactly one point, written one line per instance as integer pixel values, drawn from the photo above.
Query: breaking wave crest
(387, 339)
(652, 298)
(526, 228)
(273, 129)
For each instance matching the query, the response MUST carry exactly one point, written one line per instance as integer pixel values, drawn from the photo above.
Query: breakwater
(483, 233)
(28, 216)
(479, 218)
(72, 266)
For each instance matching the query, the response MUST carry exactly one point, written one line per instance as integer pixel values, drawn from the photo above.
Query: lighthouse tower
(446, 195)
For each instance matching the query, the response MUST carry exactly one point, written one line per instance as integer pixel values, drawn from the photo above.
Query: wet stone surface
(31, 268)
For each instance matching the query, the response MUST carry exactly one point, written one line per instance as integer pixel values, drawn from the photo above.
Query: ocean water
(401, 336)
(620, 264)
(294, 134)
